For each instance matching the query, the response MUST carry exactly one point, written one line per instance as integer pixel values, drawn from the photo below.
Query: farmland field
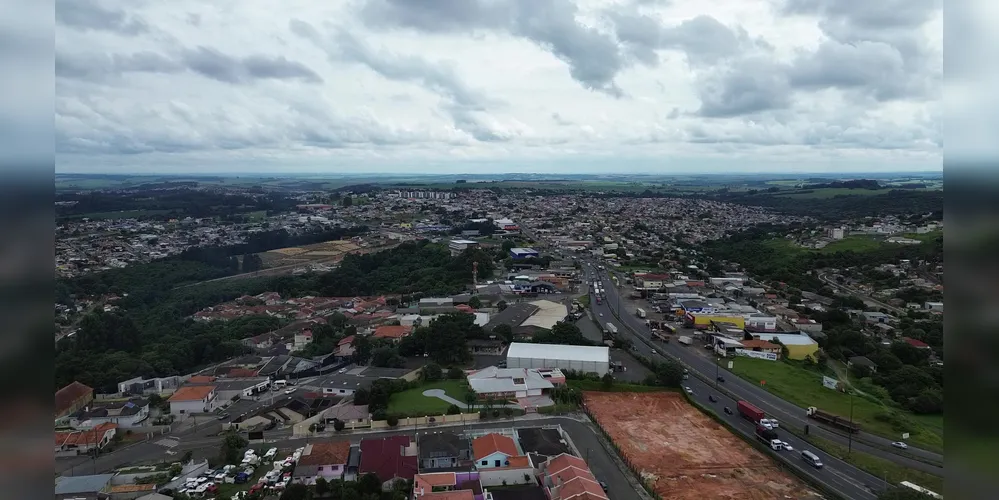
(328, 250)
(684, 454)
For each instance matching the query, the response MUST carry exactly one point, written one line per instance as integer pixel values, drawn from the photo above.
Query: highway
(837, 474)
(782, 410)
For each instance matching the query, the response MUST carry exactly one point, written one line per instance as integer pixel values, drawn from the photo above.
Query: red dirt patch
(685, 454)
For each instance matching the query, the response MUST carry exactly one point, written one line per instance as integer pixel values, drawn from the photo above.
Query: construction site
(683, 454)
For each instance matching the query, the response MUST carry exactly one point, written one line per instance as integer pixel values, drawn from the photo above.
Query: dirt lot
(329, 251)
(686, 454)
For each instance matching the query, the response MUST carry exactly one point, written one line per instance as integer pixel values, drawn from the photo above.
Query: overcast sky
(442, 86)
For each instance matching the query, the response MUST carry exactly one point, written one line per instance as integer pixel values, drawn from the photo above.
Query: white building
(126, 414)
(837, 233)
(458, 246)
(508, 383)
(587, 359)
(193, 399)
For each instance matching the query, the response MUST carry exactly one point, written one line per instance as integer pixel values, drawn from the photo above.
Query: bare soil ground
(326, 251)
(685, 454)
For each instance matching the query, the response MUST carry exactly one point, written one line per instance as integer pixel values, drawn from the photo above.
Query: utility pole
(716, 371)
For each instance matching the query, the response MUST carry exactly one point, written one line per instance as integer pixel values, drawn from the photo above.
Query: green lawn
(886, 470)
(584, 300)
(413, 402)
(804, 388)
(594, 385)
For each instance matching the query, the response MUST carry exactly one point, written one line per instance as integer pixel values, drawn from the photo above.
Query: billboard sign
(831, 383)
(769, 356)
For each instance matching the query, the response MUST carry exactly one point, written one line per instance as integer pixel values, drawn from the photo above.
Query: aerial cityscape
(498, 250)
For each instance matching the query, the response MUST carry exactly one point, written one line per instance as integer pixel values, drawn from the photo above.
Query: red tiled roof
(491, 443)
(393, 332)
(326, 453)
(201, 379)
(241, 372)
(67, 396)
(915, 343)
(384, 458)
(346, 341)
(192, 393)
(87, 437)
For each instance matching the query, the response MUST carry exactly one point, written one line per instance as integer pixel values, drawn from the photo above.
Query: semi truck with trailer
(833, 420)
(769, 438)
(640, 312)
(749, 411)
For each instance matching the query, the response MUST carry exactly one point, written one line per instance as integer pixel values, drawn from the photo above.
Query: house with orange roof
(393, 332)
(499, 460)
(447, 486)
(566, 477)
(77, 442)
(191, 399)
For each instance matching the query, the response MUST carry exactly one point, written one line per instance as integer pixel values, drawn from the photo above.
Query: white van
(812, 459)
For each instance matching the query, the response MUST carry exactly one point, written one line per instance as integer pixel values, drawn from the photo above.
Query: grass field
(414, 403)
(886, 470)
(593, 385)
(804, 388)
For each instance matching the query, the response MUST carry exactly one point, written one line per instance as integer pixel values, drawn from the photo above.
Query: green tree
(347, 201)
(470, 399)
(232, 446)
(607, 381)
(392, 420)
(455, 373)
(369, 484)
(504, 331)
(669, 374)
(362, 349)
(431, 372)
(338, 425)
(322, 486)
(296, 491)
(453, 410)
(475, 302)
(186, 457)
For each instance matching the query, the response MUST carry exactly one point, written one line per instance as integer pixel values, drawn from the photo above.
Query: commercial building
(523, 253)
(703, 321)
(458, 246)
(799, 346)
(587, 359)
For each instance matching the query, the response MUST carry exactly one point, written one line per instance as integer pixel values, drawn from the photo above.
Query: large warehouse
(564, 357)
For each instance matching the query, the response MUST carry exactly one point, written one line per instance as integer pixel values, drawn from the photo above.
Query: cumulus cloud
(349, 83)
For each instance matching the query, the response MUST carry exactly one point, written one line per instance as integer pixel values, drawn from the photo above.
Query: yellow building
(799, 346)
(703, 321)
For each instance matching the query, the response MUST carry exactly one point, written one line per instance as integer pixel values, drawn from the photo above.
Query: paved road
(837, 474)
(604, 466)
(864, 442)
(871, 301)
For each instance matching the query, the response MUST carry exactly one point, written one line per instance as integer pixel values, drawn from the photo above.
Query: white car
(787, 446)
(766, 424)
(290, 391)
(900, 445)
(689, 390)
(342, 370)
(601, 315)
(769, 423)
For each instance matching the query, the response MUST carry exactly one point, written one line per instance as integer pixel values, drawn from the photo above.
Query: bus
(920, 489)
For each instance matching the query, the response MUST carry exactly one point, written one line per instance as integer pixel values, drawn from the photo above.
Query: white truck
(640, 312)
(685, 340)
(611, 328)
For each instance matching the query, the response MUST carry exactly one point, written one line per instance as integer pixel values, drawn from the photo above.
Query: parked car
(603, 485)
(900, 445)
(290, 390)
(223, 416)
(787, 446)
(688, 389)
(721, 379)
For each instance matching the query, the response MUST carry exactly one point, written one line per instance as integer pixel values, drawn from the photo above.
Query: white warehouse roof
(559, 352)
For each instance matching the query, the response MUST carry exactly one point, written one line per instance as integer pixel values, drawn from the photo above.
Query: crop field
(686, 455)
